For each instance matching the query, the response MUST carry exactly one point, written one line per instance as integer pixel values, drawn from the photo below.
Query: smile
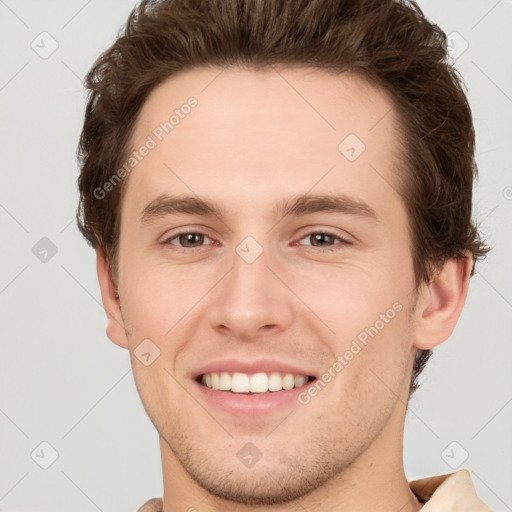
(238, 382)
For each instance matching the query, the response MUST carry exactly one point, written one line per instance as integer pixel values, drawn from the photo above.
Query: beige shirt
(453, 492)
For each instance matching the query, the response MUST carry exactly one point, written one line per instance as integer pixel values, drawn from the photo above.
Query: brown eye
(188, 240)
(323, 239)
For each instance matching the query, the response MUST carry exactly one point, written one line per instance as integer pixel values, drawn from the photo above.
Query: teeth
(240, 383)
(275, 382)
(225, 381)
(300, 380)
(256, 383)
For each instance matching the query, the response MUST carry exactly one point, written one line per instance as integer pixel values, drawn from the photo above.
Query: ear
(440, 302)
(115, 325)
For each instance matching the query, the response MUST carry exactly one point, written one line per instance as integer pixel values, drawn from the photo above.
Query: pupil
(189, 239)
(320, 238)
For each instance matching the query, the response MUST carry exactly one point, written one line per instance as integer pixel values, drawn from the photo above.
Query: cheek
(351, 296)
(158, 297)
(376, 374)
(368, 311)
(158, 392)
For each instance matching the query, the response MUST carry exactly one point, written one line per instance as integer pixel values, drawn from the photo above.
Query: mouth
(255, 383)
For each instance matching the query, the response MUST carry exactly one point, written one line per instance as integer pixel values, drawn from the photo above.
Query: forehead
(283, 129)
(329, 102)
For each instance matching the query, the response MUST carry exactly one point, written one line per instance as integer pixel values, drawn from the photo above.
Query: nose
(251, 300)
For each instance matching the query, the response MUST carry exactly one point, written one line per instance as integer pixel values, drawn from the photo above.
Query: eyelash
(333, 247)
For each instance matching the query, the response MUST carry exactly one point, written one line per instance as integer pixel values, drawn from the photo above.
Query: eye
(188, 239)
(321, 239)
(324, 239)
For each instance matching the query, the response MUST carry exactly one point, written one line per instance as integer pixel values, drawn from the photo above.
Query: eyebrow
(304, 204)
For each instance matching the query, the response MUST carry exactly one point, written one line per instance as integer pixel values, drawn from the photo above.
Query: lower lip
(250, 404)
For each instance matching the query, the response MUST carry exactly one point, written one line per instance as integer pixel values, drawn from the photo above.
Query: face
(264, 243)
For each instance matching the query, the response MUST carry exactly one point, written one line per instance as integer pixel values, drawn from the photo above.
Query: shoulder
(448, 493)
(153, 505)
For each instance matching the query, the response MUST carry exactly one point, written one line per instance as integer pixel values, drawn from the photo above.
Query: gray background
(64, 383)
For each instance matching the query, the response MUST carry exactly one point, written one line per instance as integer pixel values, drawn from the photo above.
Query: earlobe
(440, 302)
(116, 331)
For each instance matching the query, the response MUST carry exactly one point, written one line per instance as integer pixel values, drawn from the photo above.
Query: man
(279, 195)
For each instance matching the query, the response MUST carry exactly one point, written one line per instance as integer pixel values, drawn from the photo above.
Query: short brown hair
(388, 42)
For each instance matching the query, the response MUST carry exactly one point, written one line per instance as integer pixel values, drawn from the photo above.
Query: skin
(254, 139)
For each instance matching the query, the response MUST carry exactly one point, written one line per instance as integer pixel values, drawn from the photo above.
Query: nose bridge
(251, 297)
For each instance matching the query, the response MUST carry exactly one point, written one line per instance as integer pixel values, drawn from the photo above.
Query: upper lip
(251, 366)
